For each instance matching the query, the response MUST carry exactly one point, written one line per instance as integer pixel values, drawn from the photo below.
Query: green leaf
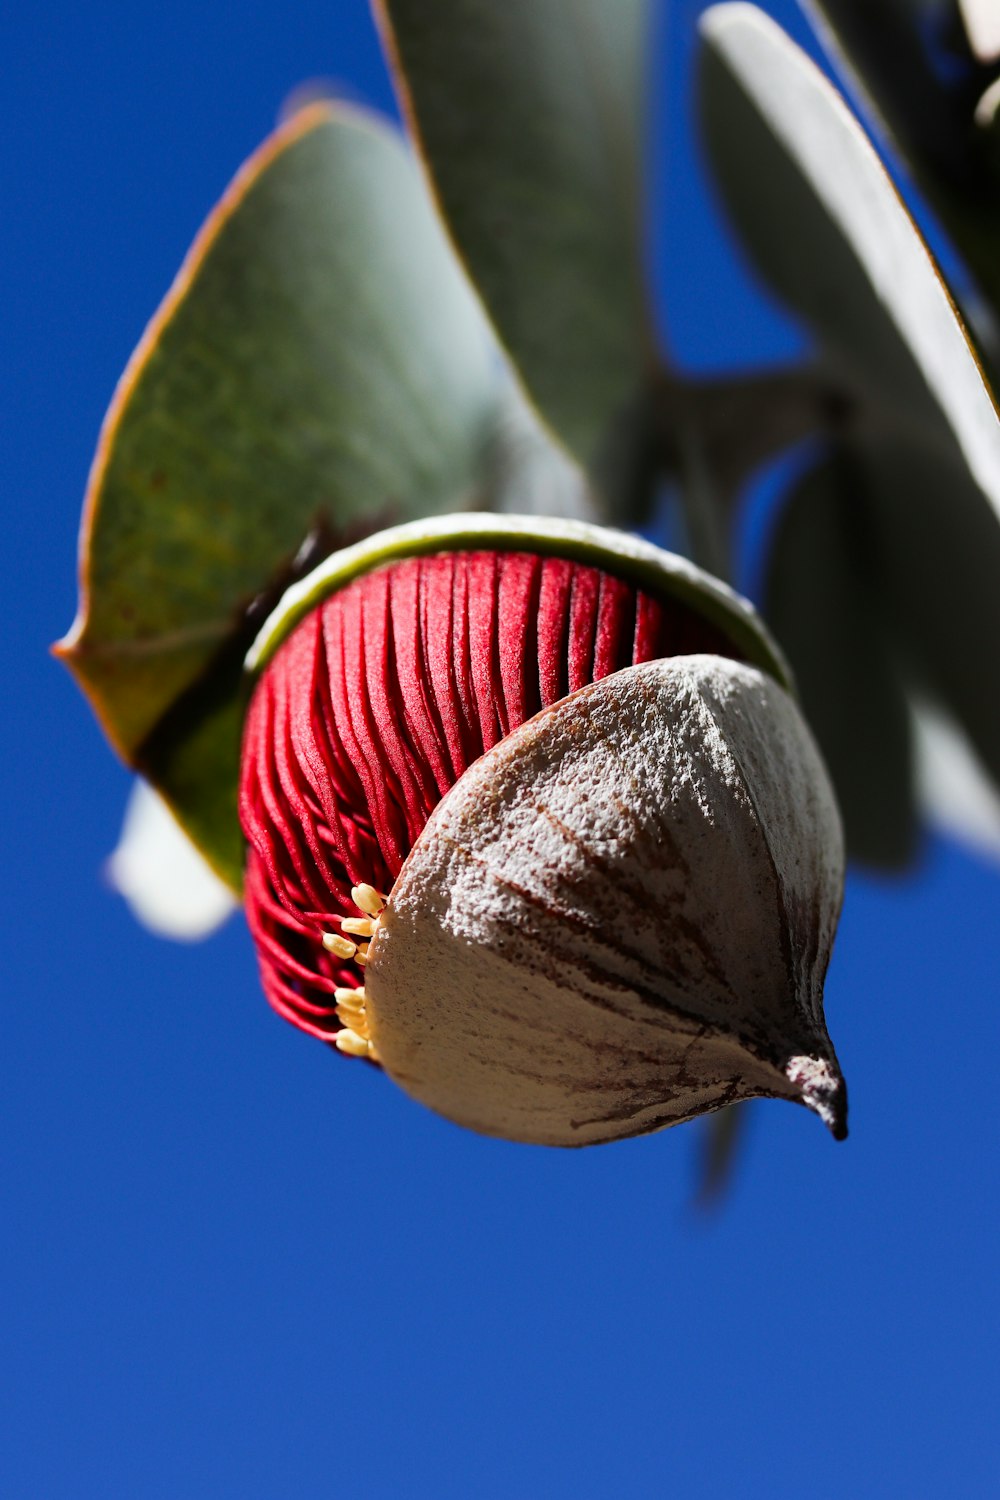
(884, 585)
(956, 794)
(826, 229)
(166, 882)
(530, 116)
(939, 542)
(193, 758)
(822, 599)
(884, 50)
(889, 59)
(982, 24)
(319, 361)
(921, 495)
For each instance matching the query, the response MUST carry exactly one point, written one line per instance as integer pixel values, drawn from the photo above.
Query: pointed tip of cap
(821, 1087)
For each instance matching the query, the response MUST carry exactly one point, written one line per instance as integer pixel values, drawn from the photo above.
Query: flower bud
(621, 916)
(529, 826)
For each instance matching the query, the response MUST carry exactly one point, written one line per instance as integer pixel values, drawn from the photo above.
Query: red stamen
(380, 700)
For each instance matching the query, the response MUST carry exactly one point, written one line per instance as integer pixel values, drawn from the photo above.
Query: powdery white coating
(621, 916)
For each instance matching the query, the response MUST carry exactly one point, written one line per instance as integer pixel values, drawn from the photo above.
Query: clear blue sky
(234, 1266)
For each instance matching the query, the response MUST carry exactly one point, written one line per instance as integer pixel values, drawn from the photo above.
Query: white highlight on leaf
(822, 137)
(955, 791)
(988, 105)
(981, 19)
(167, 884)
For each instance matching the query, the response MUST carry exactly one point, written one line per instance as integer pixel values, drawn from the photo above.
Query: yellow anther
(359, 926)
(341, 946)
(373, 1053)
(368, 899)
(354, 999)
(353, 1016)
(348, 1041)
(354, 1020)
(362, 954)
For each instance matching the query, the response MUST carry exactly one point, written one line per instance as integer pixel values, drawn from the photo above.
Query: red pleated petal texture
(378, 702)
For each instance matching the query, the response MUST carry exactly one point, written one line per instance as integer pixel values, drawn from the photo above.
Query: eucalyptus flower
(532, 824)
(344, 351)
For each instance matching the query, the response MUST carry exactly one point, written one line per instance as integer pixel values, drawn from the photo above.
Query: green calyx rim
(615, 552)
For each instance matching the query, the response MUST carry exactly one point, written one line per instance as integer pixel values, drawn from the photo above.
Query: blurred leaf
(920, 495)
(905, 59)
(530, 114)
(955, 793)
(981, 19)
(193, 759)
(884, 580)
(822, 600)
(988, 126)
(162, 876)
(527, 473)
(319, 360)
(913, 71)
(827, 230)
(722, 1137)
(940, 548)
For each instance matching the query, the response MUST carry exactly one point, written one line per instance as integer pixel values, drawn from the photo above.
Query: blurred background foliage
(322, 367)
(229, 1272)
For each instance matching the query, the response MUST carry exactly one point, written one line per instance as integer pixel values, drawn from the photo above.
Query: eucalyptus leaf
(193, 759)
(981, 19)
(822, 598)
(530, 117)
(939, 545)
(161, 875)
(955, 793)
(921, 76)
(828, 232)
(319, 363)
(525, 471)
(885, 52)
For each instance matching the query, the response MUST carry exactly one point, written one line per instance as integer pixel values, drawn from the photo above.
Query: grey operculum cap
(621, 916)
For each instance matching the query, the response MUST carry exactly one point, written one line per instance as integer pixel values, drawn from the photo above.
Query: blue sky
(234, 1266)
